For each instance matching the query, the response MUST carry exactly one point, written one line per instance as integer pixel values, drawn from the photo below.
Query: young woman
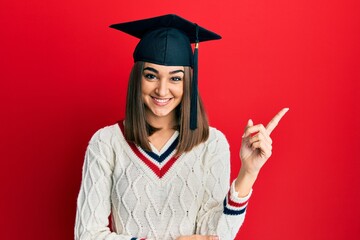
(162, 172)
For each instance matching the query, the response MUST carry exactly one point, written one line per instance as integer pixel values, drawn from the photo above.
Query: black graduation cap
(166, 40)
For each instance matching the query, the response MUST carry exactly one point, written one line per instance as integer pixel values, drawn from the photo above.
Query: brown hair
(136, 128)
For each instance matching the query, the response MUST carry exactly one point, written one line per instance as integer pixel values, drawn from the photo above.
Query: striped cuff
(233, 205)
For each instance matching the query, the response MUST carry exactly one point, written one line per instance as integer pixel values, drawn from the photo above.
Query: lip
(161, 101)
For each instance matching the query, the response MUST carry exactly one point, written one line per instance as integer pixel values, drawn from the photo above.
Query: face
(162, 90)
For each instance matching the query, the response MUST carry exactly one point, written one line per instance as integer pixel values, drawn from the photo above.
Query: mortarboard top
(139, 28)
(166, 40)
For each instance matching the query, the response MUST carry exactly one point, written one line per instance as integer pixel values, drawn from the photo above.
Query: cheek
(145, 88)
(179, 91)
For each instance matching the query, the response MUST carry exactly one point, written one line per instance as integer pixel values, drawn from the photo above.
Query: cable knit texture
(191, 197)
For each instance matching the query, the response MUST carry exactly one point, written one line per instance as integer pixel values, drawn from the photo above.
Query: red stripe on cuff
(235, 204)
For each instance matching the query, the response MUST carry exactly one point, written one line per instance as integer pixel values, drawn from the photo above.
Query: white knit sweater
(158, 199)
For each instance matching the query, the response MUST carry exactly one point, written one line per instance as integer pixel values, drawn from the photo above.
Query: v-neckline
(167, 144)
(159, 164)
(167, 150)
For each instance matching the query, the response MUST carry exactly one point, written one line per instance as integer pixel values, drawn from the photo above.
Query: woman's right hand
(198, 237)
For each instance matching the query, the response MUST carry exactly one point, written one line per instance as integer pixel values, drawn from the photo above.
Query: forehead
(163, 68)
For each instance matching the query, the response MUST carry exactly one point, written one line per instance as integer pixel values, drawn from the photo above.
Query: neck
(163, 123)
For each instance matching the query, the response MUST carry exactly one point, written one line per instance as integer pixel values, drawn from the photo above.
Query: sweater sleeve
(94, 199)
(222, 212)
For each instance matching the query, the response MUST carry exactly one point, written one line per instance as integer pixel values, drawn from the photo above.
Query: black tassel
(194, 86)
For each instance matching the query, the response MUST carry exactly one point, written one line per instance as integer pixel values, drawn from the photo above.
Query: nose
(162, 88)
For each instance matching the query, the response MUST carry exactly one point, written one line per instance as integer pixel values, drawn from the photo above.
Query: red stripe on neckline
(160, 172)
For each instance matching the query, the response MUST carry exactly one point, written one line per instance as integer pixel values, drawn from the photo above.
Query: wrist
(248, 174)
(244, 183)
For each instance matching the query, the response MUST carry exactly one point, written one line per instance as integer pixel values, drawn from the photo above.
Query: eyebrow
(177, 71)
(156, 71)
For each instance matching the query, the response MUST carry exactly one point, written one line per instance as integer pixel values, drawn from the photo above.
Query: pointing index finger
(274, 122)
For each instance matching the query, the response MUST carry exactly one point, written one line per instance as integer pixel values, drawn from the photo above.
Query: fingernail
(250, 122)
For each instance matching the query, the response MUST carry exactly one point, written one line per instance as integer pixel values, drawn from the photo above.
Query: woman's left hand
(256, 146)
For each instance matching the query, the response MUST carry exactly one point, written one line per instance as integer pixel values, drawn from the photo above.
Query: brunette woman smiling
(162, 172)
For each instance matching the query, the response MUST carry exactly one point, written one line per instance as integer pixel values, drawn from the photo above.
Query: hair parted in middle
(137, 130)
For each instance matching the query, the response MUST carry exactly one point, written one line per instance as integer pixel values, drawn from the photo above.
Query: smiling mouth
(161, 100)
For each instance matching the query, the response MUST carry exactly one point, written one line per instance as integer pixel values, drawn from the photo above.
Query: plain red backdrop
(64, 75)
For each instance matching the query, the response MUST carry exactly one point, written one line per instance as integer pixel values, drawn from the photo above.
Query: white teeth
(161, 100)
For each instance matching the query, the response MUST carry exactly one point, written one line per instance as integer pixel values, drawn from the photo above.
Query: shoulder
(216, 142)
(216, 136)
(100, 148)
(215, 151)
(105, 134)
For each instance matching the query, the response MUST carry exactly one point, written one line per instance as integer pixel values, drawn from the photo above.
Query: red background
(64, 75)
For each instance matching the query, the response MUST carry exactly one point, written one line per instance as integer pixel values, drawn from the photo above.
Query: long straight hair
(137, 130)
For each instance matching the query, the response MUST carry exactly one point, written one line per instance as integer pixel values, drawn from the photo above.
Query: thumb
(249, 124)
(212, 238)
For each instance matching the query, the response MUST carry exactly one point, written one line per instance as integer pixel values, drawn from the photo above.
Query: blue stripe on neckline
(163, 156)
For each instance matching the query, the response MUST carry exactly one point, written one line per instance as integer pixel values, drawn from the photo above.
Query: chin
(161, 113)
(157, 114)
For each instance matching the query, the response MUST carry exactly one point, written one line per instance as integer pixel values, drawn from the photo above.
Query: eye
(176, 79)
(150, 76)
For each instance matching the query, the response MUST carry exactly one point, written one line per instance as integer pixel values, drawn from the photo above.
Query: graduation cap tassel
(194, 86)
